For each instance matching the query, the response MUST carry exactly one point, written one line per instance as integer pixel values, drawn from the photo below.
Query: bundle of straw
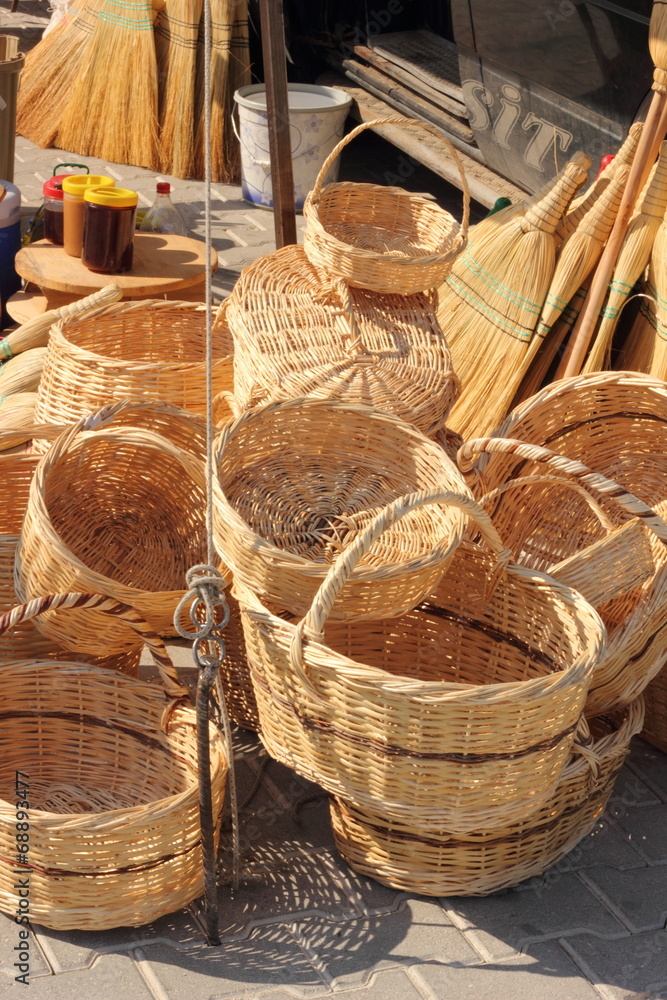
(17, 414)
(645, 349)
(49, 71)
(35, 333)
(230, 69)
(22, 373)
(176, 31)
(112, 110)
(492, 299)
(632, 260)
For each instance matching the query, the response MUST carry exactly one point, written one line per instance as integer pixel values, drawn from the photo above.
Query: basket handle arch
(572, 467)
(313, 623)
(576, 487)
(175, 691)
(316, 192)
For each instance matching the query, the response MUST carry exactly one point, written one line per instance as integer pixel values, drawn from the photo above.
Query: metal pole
(208, 670)
(277, 105)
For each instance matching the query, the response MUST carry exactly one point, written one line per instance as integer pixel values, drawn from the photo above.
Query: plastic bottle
(163, 216)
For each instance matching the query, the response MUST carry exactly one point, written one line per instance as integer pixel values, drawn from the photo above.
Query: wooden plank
(277, 106)
(396, 72)
(424, 54)
(485, 185)
(401, 98)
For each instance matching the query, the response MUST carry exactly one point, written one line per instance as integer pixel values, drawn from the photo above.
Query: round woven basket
(437, 863)
(296, 481)
(299, 332)
(655, 728)
(615, 423)
(110, 766)
(148, 349)
(118, 510)
(460, 714)
(383, 238)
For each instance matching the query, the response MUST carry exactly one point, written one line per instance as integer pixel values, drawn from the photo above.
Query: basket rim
(59, 340)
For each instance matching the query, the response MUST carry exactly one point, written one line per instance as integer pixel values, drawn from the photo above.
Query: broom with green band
(176, 33)
(645, 349)
(492, 300)
(633, 259)
(112, 110)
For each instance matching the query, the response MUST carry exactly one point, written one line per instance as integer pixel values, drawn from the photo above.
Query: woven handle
(404, 123)
(552, 480)
(535, 453)
(174, 690)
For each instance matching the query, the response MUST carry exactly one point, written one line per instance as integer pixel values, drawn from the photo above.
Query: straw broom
(17, 414)
(492, 299)
(637, 353)
(176, 31)
(50, 68)
(632, 260)
(112, 111)
(22, 373)
(646, 346)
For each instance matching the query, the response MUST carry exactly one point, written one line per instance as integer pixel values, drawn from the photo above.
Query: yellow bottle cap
(76, 184)
(112, 197)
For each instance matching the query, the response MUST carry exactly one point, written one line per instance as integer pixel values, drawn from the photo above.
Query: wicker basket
(146, 349)
(297, 480)
(383, 238)
(118, 510)
(299, 332)
(655, 728)
(460, 714)
(615, 423)
(436, 863)
(111, 765)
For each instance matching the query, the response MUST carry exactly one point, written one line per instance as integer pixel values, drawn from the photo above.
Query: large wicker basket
(437, 863)
(116, 510)
(460, 714)
(655, 728)
(111, 771)
(297, 480)
(616, 424)
(383, 238)
(299, 332)
(147, 349)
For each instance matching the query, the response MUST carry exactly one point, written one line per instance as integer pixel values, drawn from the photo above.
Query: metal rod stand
(209, 667)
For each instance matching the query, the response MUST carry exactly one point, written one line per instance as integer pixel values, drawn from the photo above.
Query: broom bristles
(637, 352)
(657, 37)
(176, 31)
(17, 415)
(22, 373)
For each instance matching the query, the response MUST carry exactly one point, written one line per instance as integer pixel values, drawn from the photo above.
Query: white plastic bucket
(317, 121)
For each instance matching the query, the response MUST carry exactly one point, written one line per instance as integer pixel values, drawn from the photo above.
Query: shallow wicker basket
(117, 510)
(111, 771)
(460, 714)
(299, 332)
(147, 349)
(296, 481)
(437, 863)
(383, 238)
(616, 424)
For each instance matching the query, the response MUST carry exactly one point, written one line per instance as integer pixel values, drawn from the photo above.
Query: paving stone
(547, 973)
(382, 986)
(635, 965)
(645, 829)
(418, 932)
(111, 976)
(641, 896)
(268, 957)
(650, 765)
(9, 940)
(375, 899)
(631, 791)
(505, 922)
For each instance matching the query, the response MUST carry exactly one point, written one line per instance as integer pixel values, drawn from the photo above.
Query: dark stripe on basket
(391, 750)
(91, 720)
(633, 659)
(145, 866)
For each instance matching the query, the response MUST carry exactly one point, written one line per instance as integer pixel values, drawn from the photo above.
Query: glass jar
(74, 188)
(53, 209)
(108, 230)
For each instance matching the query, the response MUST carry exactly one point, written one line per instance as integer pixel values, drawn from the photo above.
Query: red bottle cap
(604, 163)
(53, 188)
(163, 187)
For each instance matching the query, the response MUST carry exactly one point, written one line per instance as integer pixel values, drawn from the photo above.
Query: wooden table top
(162, 264)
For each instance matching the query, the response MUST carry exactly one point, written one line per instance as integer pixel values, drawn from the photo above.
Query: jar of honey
(73, 191)
(108, 230)
(53, 209)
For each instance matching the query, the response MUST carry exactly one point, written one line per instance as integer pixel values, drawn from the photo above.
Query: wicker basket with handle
(438, 863)
(297, 480)
(655, 729)
(111, 771)
(458, 715)
(383, 238)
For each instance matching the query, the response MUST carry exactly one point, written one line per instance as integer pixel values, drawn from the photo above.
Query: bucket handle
(255, 162)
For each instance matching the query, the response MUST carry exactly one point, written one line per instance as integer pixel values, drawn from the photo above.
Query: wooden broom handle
(647, 149)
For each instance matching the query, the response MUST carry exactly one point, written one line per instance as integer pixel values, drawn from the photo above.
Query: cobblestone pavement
(302, 924)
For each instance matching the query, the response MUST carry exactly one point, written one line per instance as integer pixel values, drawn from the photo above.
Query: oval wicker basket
(435, 863)
(383, 238)
(296, 481)
(616, 424)
(111, 764)
(147, 349)
(298, 332)
(460, 714)
(118, 510)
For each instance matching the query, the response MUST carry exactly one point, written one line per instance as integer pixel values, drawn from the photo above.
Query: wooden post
(275, 75)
